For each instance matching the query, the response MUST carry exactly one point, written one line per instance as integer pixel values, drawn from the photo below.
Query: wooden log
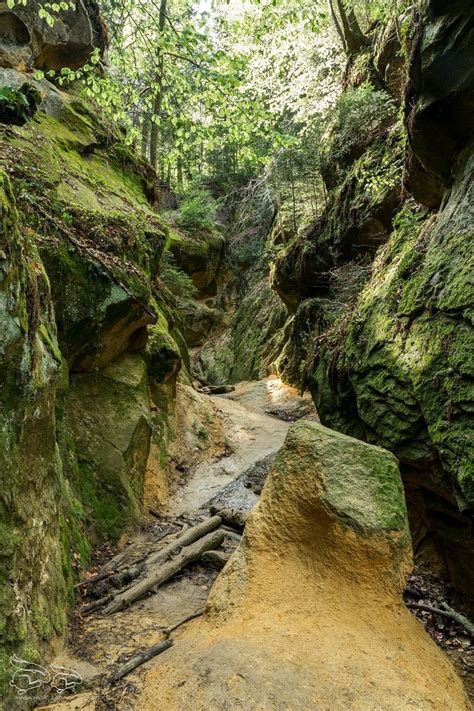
(139, 659)
(184, 539)
(231, 534)
(189, 554)
(231, 517)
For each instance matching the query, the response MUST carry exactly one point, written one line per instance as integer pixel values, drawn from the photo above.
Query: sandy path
(251, 435)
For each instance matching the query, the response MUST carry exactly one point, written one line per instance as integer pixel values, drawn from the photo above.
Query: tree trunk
(337, 25)
(179, 171)
(145, 136)
(158, 100)
(348, 29)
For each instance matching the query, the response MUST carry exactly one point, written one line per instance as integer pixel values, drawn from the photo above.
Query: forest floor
(255, 419)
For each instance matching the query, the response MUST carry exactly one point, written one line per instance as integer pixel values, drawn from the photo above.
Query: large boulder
(308, 613)
(29, 40)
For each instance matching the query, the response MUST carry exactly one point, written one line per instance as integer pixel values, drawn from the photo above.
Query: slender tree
(348, 28)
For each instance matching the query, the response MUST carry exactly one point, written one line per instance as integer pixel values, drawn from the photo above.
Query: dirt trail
(251, 435)
(98, 643)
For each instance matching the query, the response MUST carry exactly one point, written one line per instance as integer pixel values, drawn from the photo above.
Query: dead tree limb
(168, 630)
(177, 541)
(189, 554)
(444, 611)
(96, 605)
(140, 659)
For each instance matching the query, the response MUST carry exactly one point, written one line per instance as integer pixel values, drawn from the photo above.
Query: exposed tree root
(168, 630)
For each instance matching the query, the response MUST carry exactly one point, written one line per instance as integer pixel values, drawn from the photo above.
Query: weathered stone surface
(309, 609)
(388, 58)
(79, 296)
(439, 101)
(32, 586)
(198, 320)
(27, 40)
(401, 373)
(18, 105)
(108, 416)
(390, 357)
(199, 257)
(356, 222)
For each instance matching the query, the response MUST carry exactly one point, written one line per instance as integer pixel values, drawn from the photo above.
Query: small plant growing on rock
(197, 209)
(177, 281)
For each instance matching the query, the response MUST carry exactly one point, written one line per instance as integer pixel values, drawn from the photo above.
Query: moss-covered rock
(439, 109)
(199, 256)
(388, 359)
(108, 416)
(79, 293)
(32, 588)
(356, 222)
(399, 370)
(309, 608)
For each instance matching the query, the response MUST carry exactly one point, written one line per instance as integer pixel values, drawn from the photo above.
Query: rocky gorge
(111, 433)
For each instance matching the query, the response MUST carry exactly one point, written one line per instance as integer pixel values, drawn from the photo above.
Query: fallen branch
(95, 579)
(178, 540)
(189, 554)
(444, 611)
(96, 605)
(168, 630)
(184, 539)
(140, 659)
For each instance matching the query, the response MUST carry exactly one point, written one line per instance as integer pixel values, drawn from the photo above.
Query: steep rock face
(355, 223)
(108, 416)
(198, 256)
(90, 346)
(32, 587)
(399, 372)
(389, 360)
(248, 336)
(439, 101)
(318, 577)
